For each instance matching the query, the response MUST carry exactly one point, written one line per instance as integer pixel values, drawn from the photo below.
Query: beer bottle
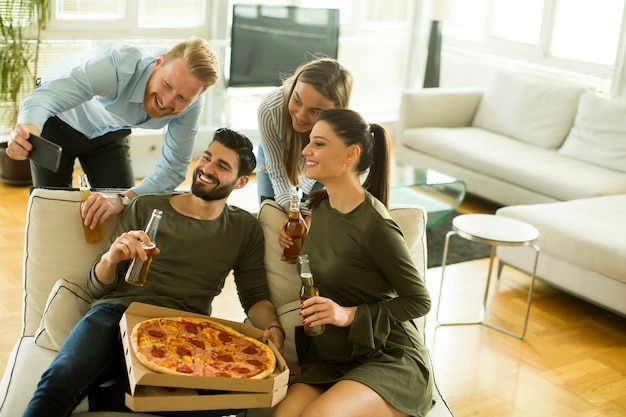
(295, 230)
(138, 269)
(308, 290)
(91, 235)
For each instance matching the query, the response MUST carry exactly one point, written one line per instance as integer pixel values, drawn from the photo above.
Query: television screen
(268, 42)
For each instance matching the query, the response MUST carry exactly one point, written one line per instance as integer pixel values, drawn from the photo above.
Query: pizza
(200, 347)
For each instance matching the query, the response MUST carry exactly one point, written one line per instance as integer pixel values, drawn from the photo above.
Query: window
(467, 20)
(573, 41)
(171, 14)
(579, 36)
(89, 9)
(19, 13)
(127, 19)
(517, 21)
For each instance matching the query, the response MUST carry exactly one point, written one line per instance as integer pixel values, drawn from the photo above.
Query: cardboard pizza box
(147, 399)
(141, 376)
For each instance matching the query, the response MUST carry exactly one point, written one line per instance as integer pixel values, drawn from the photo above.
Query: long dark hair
(373, 140)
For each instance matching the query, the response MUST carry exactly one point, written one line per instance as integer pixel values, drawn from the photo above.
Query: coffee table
(438, 193)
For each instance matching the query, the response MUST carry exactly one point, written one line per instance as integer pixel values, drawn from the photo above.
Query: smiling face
(170, 89)
(305, 104)
(327, 156)
(215, 175)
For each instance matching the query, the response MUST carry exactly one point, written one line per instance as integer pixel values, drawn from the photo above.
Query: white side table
(495, 231)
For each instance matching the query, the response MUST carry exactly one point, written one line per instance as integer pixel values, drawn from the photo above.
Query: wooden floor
(572, 361)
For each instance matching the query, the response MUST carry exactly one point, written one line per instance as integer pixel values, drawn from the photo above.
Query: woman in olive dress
(370, 361)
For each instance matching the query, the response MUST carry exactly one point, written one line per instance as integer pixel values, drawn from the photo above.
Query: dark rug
(459, 249)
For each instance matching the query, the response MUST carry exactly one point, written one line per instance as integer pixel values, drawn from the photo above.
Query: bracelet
(276, 326)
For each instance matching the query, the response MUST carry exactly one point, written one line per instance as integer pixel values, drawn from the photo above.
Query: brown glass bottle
(295, 230)
(138, 270)
(308, 290)
(91, 235)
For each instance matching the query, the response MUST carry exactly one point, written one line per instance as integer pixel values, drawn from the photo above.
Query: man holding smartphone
(88, 103)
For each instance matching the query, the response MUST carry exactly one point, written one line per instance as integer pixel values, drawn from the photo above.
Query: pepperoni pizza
(200, 347)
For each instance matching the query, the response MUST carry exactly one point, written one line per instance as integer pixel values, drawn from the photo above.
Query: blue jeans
(263, 182)
(91, 356)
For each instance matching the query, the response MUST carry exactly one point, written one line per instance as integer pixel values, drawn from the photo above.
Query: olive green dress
(361, 259)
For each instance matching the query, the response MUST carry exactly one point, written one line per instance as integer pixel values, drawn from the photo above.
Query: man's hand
(263, 316)
(276, 334)
(19, 146)
(126, 246)
(99, 207)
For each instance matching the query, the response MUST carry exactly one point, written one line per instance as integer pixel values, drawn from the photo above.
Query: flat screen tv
(269, 42)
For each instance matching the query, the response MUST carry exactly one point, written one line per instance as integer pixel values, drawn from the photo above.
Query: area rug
(459, 249)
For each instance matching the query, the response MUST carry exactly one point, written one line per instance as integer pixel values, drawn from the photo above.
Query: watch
(124, 199)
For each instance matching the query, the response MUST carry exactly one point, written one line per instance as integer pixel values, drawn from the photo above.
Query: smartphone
(45, 153)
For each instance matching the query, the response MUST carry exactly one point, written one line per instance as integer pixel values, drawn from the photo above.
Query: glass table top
(438, 193)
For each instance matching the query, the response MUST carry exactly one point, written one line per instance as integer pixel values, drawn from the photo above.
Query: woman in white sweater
(286, 117)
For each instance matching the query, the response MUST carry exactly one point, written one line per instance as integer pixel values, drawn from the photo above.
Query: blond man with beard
(88, 103)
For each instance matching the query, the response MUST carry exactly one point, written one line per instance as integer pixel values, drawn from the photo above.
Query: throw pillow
(66, 305)
(599, 132)
(527, 108)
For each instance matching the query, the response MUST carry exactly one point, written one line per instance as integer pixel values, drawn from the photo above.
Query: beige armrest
(438, 107)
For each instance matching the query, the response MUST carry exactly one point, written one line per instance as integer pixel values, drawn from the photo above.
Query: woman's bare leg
(345, 399)
(299, 396)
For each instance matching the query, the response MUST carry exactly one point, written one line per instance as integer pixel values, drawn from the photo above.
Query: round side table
(495, 231)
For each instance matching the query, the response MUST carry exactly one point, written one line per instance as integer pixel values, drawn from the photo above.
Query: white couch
(521, 140)
(583, 250)
(554, 152)
(56, 261)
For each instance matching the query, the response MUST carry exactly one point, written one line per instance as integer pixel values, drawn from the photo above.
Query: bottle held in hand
(295, 230)
(91, 235)
(308, 290)
(138, 270)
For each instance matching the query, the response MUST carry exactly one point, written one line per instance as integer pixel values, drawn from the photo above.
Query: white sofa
(554, 152)
(521, 140)
(56, 261)
(583, 250)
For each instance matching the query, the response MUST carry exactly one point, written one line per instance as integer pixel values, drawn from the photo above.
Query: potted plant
(21, 24)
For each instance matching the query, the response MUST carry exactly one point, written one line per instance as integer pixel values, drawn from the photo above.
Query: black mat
(459, 250)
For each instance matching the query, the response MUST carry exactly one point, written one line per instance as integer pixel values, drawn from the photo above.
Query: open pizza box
(153, 391)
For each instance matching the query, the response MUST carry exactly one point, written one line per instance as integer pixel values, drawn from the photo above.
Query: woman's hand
(284, 240)
(321, 310)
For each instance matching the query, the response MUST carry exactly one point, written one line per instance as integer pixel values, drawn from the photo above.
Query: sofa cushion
(527, 108)
(282, 277)
(18, 384)
(67, 304)
(586, 232)
(55, 248)
(599, 132)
